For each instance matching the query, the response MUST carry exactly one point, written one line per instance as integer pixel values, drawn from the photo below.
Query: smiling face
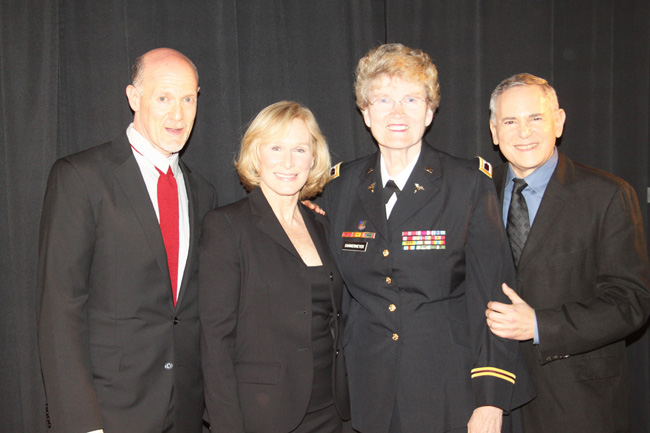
(164, 103)
(525, 127)
(284, 164)
(397, 128)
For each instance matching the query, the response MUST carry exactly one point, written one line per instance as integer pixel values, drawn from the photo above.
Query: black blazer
(585, 270)
(112, 345)
(255, 308)
(416, 329)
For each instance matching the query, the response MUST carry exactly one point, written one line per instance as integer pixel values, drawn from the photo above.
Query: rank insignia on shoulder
(336, 170)
(485, 167)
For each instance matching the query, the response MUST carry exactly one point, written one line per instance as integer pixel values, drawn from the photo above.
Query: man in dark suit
(582, 266)
(118, 326)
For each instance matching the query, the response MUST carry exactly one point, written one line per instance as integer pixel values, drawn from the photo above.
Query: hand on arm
(314, 207)
(485, 419)
(515, 321)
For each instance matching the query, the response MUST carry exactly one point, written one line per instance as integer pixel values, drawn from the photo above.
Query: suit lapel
(317, 233)
(369, 195)
(268, 222)
(551, 208)
(420, 187)
(500, 174)
(128, 175)
(193, 210)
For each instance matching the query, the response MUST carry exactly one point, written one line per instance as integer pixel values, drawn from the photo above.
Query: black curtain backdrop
(65, 65)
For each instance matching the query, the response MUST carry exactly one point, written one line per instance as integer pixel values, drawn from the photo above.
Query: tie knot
(390, 188)
(519, 186)
(169, 172)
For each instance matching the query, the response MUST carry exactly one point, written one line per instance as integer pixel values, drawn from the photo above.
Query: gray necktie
(518, 221)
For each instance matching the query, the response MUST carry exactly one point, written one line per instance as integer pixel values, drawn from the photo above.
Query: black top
(321, 336)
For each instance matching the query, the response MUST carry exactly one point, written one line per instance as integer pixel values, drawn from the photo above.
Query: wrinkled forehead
(524, 97)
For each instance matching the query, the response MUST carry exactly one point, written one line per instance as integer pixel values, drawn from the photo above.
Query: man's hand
(313, 207)
(515, 321)
(485, 419)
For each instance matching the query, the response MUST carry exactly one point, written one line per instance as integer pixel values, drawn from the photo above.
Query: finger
(498, 307)
(511, 294)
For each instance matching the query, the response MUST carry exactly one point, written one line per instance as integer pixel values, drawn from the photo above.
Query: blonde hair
(397, 60)
(273, 123)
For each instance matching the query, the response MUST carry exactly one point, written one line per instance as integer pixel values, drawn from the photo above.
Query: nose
(524, 130)
(397, 107)
(176, 111)
(287, 160)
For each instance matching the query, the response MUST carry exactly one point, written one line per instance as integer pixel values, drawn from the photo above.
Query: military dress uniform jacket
(255, 306)
(113, 348)
(585, 270)
(419, 283)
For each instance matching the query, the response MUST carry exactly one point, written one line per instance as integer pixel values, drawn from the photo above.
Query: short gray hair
(523, 79)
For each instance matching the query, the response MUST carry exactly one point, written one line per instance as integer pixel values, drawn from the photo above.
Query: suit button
(175, 320)
(388, 280)
(169, 366)
(386, 253)
(395, 337)
(331, 277)
(392, 308)
(336, 353)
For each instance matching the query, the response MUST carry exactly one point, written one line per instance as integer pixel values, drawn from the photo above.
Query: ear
(366, 116)
(559, 118)
(134, 97)
(428, 117)
(493, 130)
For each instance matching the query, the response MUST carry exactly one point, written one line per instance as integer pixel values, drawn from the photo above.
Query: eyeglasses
(407, 102)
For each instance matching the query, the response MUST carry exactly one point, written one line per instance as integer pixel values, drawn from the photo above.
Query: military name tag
(359, 246)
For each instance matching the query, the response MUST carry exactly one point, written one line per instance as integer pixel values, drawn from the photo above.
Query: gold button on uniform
(395, 337)
(386, 253)
(388, 280)
(392, 308)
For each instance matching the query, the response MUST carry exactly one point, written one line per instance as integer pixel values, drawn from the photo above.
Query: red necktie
(168, 211)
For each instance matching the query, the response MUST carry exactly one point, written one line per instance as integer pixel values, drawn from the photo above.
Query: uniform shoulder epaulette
(335, 171)
(485, 167)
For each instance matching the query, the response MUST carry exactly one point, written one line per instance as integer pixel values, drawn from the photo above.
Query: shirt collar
(142, 146)
(401, 179)
(539, 178)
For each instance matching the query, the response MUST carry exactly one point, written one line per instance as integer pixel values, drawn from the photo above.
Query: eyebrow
(515, 117)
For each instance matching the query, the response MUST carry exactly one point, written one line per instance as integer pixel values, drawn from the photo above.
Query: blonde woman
(269, 292)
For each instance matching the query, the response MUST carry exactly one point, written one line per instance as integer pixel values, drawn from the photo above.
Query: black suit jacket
(111, 343)
(416, 328)
(255, 305)
(585, 270)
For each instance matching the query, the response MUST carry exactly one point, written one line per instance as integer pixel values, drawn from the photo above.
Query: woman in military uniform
(422, 249)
